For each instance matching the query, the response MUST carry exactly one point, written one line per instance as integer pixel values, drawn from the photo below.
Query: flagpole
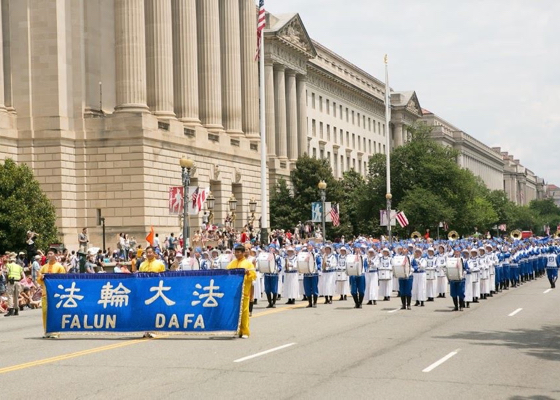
(264, 186)
(388, 196)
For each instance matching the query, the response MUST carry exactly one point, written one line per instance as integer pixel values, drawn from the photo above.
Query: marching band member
(189, 263)
(405, 288)
(342, 285)
(291, 283)
(215, 259)
(328, 276)
(505, 256)
(311, 280)
(484, 274)
(385, 270)
(457, 288)
(490, 261)
(431, 274)
(441, 262)
(358, 283)
(468, 277)
(418, 265)
(514, 267)
(552, 263)
(271, 279)
(205, 261)
(372, 277)
(475, 274)
(257, 283)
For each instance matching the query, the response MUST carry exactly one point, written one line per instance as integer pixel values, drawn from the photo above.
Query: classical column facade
(209, 70)
(185, 61)
(130, 50)
(249, 69)
(302, 114)
(280, 110)
(398, 133)
(159, 57)
(2, 104)
(230, 38)
(270, 109)
(291, 115)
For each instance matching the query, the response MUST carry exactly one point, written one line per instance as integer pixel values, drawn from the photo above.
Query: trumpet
(415, 235)
(516, 234)
(453, 235)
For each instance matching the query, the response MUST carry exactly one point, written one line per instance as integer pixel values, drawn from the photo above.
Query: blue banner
(178, 301)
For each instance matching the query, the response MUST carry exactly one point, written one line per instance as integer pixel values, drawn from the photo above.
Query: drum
(266, 263)
(430, 274)
(384, 274)
(354, 265)
(225, 259)
(454, 269)
(401, 267)
(190, 264)
(306, 263)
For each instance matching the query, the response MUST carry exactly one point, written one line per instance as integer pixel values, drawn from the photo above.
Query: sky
(490, 68)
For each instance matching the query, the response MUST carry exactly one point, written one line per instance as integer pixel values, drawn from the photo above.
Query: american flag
(335, 215)
(194, 198)
(198, 198)
(502, 227)
(261, 22)
(401, 219)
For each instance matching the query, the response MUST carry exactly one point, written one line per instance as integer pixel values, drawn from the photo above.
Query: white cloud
(488, 67)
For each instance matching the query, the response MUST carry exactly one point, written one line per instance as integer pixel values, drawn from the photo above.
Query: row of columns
(189, 59)
(286, 115)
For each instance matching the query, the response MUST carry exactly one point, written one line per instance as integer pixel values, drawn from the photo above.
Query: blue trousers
(358, 284)
(499, 274)
(514, 273)
(271, 283)
(457, 289)
(405, 286)
(552, 273)
(311, 285)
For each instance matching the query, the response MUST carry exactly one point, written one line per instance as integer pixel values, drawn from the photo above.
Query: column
(398, 133)
(280, 110)
(249, 69)
(270, 114)
(302, 114)
(291, 115)
(209, 72)
(230, 38)
(130, 50)
(185, 61)
(159, 57)
(2, 105)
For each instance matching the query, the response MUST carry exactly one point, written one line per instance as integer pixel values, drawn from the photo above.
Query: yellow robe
(247, 284)
(54, 268)
(152, 266)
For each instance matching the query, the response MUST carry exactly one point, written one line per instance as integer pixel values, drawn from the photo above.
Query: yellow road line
(112, 346)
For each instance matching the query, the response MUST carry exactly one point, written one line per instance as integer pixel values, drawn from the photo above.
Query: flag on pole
(445, 226)
(401, 219)
(151, 236)
(502, 227)
(194, 199)
(261, 23)
(335, 216)
(201, 198)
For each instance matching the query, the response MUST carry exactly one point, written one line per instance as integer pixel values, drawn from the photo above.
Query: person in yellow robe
(51, 267)
(151, 264)
(250, 275)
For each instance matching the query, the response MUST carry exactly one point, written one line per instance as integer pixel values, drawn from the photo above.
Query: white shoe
(245, 337)
(50, 336)
(149, 335)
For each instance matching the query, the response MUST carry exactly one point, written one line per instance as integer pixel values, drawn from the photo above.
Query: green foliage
(282, 215)
(23, 207)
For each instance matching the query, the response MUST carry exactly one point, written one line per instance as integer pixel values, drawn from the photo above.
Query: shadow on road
(531, 398)
(542, 343)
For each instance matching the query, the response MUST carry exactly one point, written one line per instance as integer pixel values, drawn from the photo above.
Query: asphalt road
(507, 347)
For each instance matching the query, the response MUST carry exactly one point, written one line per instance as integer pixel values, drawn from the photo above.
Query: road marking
(69, 356)
(262, 353)
(277, 310)
(392, 311)
(515, 312)
(547, 290)
(441, 361)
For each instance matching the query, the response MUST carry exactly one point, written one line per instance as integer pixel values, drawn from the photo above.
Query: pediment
(290, 30)
(413, 105)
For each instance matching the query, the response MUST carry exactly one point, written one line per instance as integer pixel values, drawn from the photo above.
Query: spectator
(83, 240)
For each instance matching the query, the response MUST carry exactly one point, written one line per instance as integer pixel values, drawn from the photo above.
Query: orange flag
(150, 237)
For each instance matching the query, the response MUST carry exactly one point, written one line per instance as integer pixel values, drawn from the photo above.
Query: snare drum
(430, 274)
(454, 269)
(385, 274)
(224, 260)
(266, 263)
(354, 265)
(401, 267)
(306, 263)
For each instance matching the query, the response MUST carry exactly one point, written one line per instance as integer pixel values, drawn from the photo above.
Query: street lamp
(186, 166)
(102, 219)
(252, 209)
(210, 202)
(232, 208)
(389, 196)
(322, 189)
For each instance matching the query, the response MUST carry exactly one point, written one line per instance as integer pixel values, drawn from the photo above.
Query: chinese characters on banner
(180, 301)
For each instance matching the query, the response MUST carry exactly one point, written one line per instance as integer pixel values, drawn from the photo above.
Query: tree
(282, 207)
(23, 207)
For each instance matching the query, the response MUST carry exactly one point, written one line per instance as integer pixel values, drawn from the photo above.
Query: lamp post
(252, 209)
(389, 196)
(210, 202)
(102, 219)
(323, 189)
(232, 208)
(186, 166)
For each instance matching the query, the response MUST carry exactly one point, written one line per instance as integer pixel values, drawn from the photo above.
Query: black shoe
(315, 300)
(255, 301)
(374, 302)
(369, 303)
(9, 313)
(456, 304)
(274, 298)
(360, 299)
(345, 298)
(310, 303)
(341, 298)
(443, 296)
(16, 311)
(417, 303)
(403, 302)
(468, 305)
(421, 304)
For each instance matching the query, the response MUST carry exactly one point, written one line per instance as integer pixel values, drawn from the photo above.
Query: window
(347, 139)
(358, 119)
(369, 124)
(306, 99)
(379, 127)
(364, 121)
(329, 156)
(321, 103)
(334, 133)
(364, 144)
(328, 132)
(353, 123)
(322, 153)
(365, 167)
(347, 163)
(341, 137)
(328, 106)
(313, 100)
(383, 129)
(341, 165)
(380, 148)
(359, 167)
(347, 115)
(340, 111)
(370, 145)
(334, 108)
(353, 141)
(313, 127)
(384, 150)
(335, 159)
(359, 143)
(321, 130)
(314, 152)
(374, 131)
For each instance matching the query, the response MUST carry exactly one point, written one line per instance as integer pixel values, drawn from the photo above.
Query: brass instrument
(515, 234)
(416, 235)
(453, 235)
(557, 235)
